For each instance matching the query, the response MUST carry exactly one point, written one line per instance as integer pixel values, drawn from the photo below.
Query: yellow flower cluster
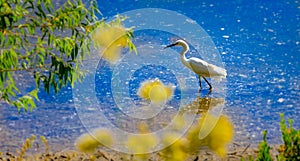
(155, 91)
(141, 144)
(177, 151)
(90, 142)
(217, 139)
(111, 39)
(220, 136)
(177, 148)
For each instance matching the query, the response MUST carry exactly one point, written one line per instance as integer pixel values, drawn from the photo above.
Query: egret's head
(178, 43)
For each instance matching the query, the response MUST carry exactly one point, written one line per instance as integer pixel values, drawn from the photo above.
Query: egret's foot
(200, 89)
(209, 92)
(199, 92)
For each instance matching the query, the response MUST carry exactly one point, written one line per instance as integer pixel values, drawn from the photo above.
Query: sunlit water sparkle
(259, 43)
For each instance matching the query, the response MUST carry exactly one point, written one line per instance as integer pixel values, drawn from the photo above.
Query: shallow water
(259, 44)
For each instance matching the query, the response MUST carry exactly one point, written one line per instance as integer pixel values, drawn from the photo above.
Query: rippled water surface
(259, 43)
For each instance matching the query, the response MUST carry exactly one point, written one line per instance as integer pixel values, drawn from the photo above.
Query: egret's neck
(183, 59)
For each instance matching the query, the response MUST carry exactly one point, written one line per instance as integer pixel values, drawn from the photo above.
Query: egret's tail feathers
(218, 79)
(217, 72)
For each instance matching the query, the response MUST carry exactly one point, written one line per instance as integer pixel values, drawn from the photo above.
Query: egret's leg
(210, 87)
(200, 85)
(200, 82)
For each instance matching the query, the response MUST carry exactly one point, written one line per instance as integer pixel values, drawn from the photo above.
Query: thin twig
(46, 66)
(245, 149)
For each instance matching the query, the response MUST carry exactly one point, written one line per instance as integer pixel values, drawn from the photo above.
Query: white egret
(198, 66)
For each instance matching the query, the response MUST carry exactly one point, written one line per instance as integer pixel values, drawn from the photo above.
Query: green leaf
(41, 11)
(31, 29)
(34, 93)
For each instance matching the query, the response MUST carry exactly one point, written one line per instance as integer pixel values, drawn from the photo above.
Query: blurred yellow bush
(143, 143)
(217, 139)
(177, 147)
(89, 142)
(111, 38)
(155, 91)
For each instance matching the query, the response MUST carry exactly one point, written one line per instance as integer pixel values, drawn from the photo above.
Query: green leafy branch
(288, 151)
(264, 149)
(45, 42)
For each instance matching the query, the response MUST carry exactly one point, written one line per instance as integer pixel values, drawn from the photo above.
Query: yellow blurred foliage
(155, 91)
(87, 143)
(176, 150)
(90, 142)
(178, 122)
(104, 136)
(220, 136)
(217, 139)
(142, 143)
(143, 128)
(111, 38)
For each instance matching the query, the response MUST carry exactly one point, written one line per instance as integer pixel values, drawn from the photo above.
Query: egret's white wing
(216, 71)
(205, 69)
(199, 66)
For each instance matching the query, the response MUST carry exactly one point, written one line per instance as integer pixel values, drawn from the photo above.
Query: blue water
(259, 44)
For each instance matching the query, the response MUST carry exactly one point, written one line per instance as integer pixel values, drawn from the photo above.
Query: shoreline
(235, 153)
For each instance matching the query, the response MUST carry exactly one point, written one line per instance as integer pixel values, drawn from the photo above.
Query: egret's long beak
(169, 46)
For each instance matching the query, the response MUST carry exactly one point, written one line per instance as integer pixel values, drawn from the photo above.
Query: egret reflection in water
(203, 104)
